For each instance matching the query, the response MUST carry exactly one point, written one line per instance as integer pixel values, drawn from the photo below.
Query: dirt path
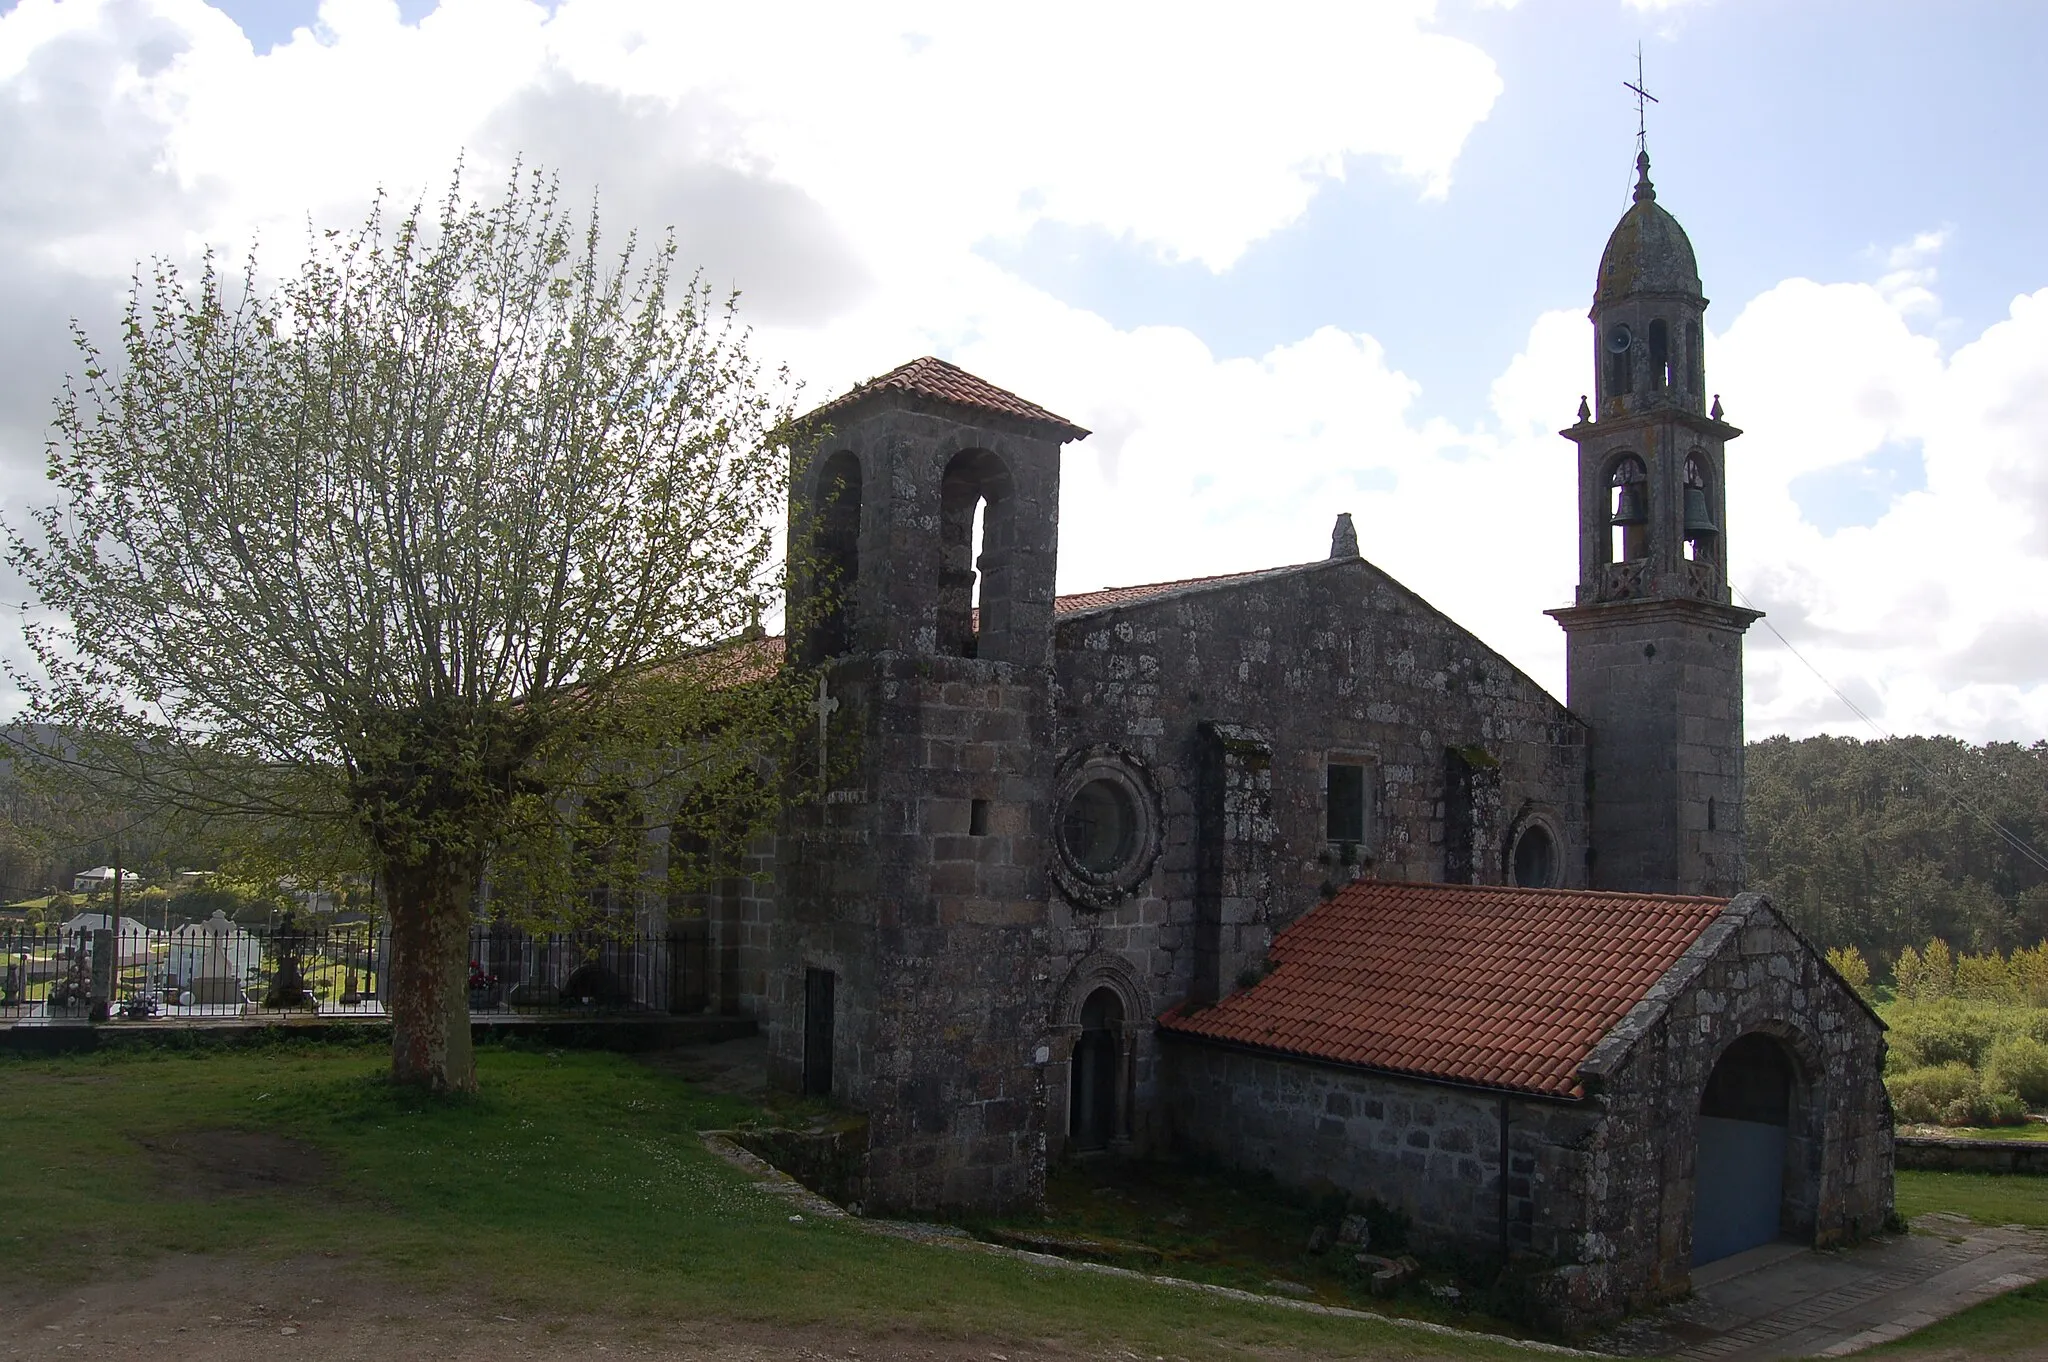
(190, 1307)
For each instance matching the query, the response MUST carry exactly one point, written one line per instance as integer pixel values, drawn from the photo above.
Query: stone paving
(1783, 1301)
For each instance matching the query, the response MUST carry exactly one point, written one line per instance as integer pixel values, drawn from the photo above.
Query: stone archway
(1749, 1169)
(1096, 1114)
(1097, 1024)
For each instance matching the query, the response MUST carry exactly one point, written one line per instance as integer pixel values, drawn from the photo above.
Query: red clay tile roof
(1503, 988)
(942, 382)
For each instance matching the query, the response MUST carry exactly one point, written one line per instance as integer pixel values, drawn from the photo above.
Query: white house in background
(101, 877)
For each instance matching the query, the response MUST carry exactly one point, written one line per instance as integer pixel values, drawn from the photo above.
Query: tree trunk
(429, 1003)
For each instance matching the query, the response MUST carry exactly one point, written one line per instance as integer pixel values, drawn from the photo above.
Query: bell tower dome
(1653, 639)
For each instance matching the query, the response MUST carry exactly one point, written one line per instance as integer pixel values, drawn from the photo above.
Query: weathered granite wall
(1430, 1151)
(1937, 1154)
(1232, 697)
(1748, 974)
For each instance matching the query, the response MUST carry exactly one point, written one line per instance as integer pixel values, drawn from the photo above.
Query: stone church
(1287, 870)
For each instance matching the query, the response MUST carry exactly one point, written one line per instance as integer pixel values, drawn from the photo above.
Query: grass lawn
(575, 1183)
(1987, 1198)
(2011, 1325)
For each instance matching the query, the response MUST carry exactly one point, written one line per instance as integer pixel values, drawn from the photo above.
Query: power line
(2005, 834)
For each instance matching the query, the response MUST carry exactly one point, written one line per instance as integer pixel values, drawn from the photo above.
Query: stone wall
(1428, 1150)
(1659, 684)
(934, 933)
(1937, 1154)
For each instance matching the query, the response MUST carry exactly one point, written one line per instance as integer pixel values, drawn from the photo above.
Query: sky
(1284, 260)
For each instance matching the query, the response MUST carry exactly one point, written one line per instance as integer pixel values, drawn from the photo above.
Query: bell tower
(1653, 642)
(913, 841)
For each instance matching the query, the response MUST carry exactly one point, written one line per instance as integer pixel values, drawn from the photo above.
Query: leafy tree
(1850, 964)
(392, 562)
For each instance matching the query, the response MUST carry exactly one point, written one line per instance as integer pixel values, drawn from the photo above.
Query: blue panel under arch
(1738, 1187)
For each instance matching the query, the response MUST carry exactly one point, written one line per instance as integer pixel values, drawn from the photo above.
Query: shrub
(2001, 1109)
(2018, 1064)
(1923, 1037)
(1987, 977)
(1931, 1093)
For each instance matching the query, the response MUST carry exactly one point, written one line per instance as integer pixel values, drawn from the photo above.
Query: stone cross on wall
(823, 706)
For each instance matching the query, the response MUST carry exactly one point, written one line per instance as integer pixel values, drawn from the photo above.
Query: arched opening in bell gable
(836, 554)
(976, 540)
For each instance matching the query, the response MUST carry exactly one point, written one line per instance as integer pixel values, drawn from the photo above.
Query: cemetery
(221, 972)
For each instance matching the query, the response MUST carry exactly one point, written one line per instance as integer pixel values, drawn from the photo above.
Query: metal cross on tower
(1643, 100)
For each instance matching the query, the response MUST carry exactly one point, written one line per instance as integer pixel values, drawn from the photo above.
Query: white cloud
(1908, 281)
(1930, 611)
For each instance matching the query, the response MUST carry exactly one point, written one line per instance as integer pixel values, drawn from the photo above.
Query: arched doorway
(1739, 1174)
(1092, 1105)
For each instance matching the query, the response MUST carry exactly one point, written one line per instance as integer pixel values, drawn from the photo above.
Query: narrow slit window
(977, 818)
(1344, 802)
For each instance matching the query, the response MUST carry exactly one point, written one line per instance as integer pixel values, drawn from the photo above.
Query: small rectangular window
(1344, 802)
(977, 818)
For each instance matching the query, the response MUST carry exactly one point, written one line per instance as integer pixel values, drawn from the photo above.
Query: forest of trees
(1889, 844)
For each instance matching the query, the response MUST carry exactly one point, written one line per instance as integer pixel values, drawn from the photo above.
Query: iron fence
(215, 970)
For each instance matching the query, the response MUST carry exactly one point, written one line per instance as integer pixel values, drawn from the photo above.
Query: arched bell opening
(1701, 533)
(1663, 373)
(976, 533)
(1628, 510)
(835, 555)
(1617, 344)
(1098, 1076)
(1751, 1170)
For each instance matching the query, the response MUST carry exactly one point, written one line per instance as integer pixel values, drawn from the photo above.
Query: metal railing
(219, 970)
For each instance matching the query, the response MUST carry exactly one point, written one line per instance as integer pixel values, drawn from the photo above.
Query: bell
(1699, 519)
(1630, 507)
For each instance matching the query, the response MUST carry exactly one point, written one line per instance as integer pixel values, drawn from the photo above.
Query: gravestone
(104, 956)
(216, 980)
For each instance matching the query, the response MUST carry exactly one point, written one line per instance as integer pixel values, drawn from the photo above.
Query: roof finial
(1344, 537)
(1644, 189)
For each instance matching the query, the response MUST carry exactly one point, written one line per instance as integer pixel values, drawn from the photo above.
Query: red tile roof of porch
(1491, 986)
